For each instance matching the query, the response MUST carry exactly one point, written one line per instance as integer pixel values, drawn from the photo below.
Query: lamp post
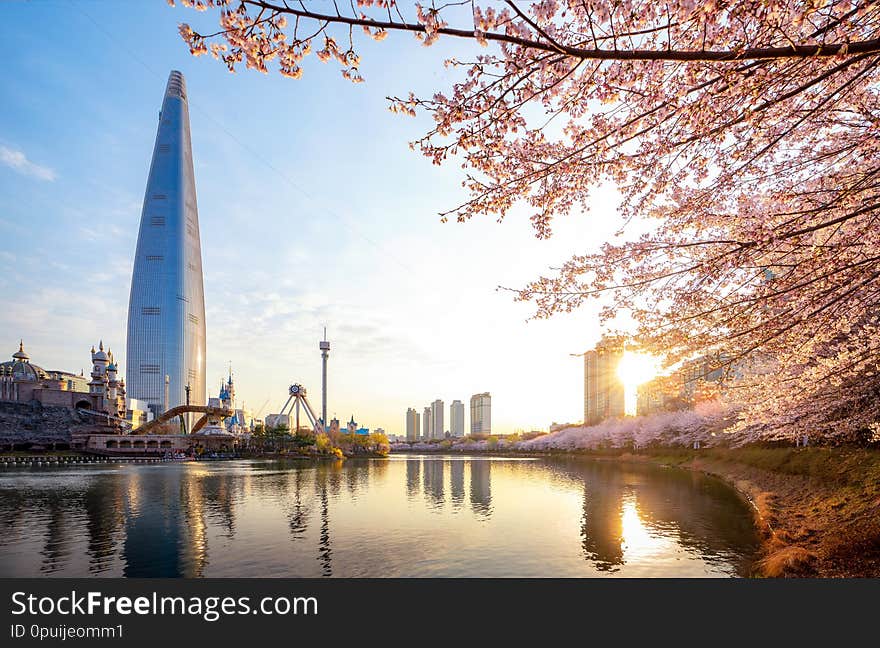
(165, 403)
(187, 425)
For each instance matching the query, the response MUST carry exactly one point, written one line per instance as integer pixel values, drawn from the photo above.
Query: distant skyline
(313, 212)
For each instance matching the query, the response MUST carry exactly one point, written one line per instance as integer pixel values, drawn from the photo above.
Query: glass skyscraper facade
(166, 309)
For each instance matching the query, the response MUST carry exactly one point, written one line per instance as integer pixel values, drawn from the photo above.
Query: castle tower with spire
(98, 383)
(166, 309)
(106, 391)
(230, 389)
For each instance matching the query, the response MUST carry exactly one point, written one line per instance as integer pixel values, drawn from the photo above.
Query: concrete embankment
(56, 460)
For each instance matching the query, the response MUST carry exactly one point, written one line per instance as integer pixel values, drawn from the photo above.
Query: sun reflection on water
(638, 540)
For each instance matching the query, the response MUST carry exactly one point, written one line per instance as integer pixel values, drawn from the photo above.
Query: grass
(788, 560)
(845, 466)
(821, 506)
(831, 465)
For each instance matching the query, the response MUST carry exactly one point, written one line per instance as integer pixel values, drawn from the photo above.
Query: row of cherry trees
(743, 138)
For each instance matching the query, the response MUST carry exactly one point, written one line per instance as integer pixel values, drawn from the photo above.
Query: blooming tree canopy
(743, 132)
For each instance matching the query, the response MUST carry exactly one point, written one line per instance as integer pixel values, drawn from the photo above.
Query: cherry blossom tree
(741, 134)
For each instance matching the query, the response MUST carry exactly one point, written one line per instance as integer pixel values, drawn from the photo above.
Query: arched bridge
(208, 412)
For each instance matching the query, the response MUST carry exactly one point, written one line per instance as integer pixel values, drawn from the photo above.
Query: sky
(313, 210)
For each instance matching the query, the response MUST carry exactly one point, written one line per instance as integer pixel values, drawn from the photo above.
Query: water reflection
(56, 547)
(104, 520)
(412, 478)
(456, 482)
(300, 512)
(525, 518)
(166, 530)
(481, 487)
(602, 527)
(432, 469)
(640, 511)
(325, 553)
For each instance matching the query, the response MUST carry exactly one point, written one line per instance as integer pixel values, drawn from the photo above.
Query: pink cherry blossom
(744, 138)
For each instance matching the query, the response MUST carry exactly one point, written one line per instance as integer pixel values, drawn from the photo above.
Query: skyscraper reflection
(481, 487)
(456, 482)
(412, 477)
(194, 534)
(433, 471)
(602, 525)
(166, 537)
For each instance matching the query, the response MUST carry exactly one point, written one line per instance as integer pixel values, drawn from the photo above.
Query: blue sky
(313, 212)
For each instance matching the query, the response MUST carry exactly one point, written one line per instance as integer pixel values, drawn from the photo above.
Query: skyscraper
(412, 425)
(481, 413)
(456, 419)
(603, 389)
(426, 423)
(437, 425)
(166, 308)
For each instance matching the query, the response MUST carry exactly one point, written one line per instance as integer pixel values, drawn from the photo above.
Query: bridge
(208, 413)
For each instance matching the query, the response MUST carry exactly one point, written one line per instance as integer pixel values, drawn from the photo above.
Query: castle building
(242, 420)
(106, 391)
(23, 381)
(20, 379)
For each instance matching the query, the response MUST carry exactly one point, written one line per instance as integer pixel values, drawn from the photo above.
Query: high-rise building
(166, 308)
(437, 427)
(456, 418)
(412, 425)
(427, 420)
(481, 413)
(603, 389)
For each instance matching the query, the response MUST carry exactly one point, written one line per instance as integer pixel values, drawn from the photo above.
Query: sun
(635, 369)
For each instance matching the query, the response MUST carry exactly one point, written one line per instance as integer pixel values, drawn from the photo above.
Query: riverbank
(817, 509)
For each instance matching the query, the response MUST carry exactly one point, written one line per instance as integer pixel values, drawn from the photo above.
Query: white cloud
(18, 161)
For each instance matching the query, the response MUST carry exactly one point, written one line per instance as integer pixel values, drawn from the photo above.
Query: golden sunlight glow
(635, 369)
(636, 536)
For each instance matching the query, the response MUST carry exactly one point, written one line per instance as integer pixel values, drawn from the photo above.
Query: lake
(408, 515)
